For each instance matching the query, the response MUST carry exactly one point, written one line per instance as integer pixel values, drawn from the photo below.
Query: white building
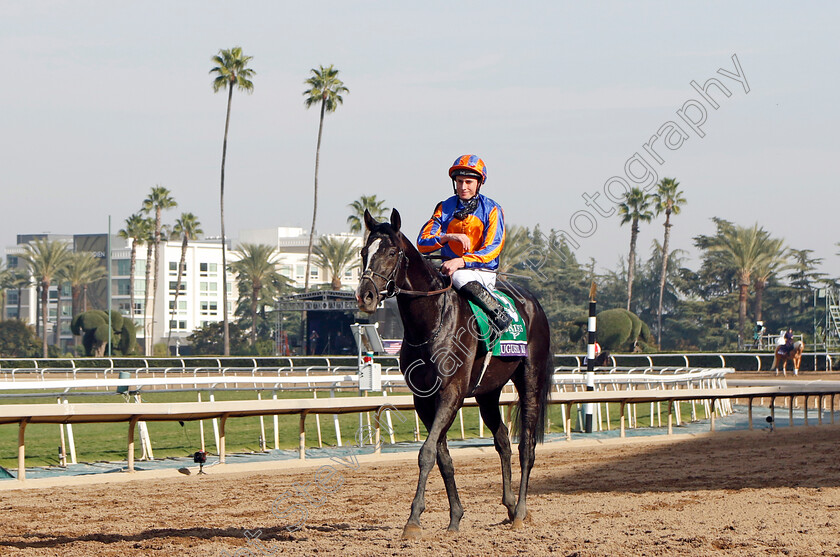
(200, 298)
(291, 245)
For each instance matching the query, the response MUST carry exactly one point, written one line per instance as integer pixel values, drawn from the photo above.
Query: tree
(668, 199)
(336, 257)
(773, 263)
(83, 268)
(636, 207)
(231, 71)
(17, 340)
(187, 228)
(158, 199)
(208, 340)
(255, 269)
(135, 232)
(324, 89)
(517, 247)
(357, 216)
(742, 250)
(148, 230)
(46, 260)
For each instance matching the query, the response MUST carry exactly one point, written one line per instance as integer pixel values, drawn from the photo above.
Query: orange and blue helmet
(469, 165)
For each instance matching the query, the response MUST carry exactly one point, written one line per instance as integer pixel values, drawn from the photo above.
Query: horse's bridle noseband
(390, 288)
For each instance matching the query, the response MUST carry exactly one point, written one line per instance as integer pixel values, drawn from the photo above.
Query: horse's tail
(545, 394)
(544, 379)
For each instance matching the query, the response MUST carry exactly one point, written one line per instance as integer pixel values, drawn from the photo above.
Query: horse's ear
(395, 220)
(370, 222)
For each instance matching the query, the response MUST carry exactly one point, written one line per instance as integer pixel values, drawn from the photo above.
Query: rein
(391, 289)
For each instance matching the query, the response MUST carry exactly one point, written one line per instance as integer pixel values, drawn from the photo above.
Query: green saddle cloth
(513, 341)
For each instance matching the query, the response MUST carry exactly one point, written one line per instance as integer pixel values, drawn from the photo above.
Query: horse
(793, 355)
(444, 362)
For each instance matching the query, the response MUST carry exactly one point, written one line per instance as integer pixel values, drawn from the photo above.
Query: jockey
(469, 229)
(789, 340)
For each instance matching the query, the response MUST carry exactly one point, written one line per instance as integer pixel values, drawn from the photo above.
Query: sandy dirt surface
(743, 493)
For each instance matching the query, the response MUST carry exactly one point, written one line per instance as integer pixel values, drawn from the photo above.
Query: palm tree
(635, 207)
(744, 250)
(159, 199)
(46, 260)
(83, 268)
(668, 199)
(148, 231)
(231, 70)
(325, 89)
(336, 257)
(775, 261)
(135, 231)
(256, 268)
(187, 228)
(370, 203)
(5, 276)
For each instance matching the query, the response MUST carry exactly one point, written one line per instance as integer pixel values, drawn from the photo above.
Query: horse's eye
(392, 252)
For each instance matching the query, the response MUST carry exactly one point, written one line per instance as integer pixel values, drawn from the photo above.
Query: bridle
(390, 289)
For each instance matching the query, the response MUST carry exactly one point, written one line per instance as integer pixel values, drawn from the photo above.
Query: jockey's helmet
(469, 165)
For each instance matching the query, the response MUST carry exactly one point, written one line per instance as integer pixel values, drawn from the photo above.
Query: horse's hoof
(412, 532)
(517, 523)
(452, 531)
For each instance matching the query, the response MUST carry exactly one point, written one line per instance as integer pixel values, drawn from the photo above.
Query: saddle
(513, 341)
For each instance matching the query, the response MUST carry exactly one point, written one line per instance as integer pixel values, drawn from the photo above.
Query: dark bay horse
(444, 361)
(783, 356)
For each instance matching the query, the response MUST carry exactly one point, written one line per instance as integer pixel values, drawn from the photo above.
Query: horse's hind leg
(447, 471)
(488, 405)
(529, 384)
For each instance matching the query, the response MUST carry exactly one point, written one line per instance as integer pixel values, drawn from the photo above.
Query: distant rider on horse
(469, 229)
(788, 345)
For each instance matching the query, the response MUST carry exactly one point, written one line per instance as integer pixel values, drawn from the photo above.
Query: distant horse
(793, 355)
(444, 362)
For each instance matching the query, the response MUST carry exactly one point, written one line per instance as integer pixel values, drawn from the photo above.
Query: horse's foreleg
(437, 420)
(489, 409)
(447, 471)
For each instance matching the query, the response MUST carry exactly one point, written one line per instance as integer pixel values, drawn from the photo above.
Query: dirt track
(749, 493)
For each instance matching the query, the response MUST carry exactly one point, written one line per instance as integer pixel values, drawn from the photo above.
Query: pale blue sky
(103, 100)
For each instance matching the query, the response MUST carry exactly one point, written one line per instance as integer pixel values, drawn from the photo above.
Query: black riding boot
(477, 294)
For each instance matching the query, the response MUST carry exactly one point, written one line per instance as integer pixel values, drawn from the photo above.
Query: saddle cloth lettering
(513, 342)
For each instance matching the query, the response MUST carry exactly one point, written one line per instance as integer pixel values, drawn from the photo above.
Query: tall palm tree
(776, 261)
(745, 250)
(256, 267)
(668, 199)
(636, 207)
(46, 260)
(336, 257)
(231, 70)
(83, 268)
(5, 276)
(370, 203)
(148, 231)
(158, 199)
(135, 232)
(187, 228)
(324, 89)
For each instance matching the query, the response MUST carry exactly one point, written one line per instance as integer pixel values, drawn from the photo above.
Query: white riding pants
(463, 276)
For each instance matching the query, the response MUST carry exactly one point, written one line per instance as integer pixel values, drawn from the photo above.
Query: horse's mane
(412, 254)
